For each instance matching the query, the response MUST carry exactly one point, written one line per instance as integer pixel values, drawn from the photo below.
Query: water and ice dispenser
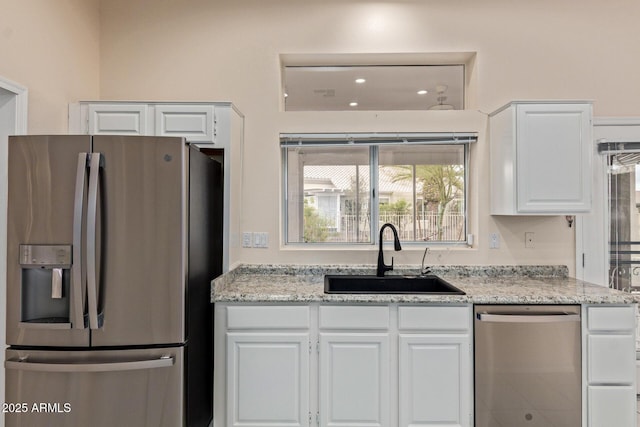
(46, 274)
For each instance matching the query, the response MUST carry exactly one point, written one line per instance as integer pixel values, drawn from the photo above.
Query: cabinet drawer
(612, 359)
(434, 318)
(611, 318)
(268, 317)
(354, 317)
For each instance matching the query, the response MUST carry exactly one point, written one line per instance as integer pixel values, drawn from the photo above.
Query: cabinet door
(611, 406)
(118, 119)
(612, 359)
(435, 380)
(354, 379)
(553, 158)
(267, 379)
(194, 122)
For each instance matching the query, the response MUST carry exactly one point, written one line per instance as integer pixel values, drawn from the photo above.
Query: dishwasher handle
(528, 318)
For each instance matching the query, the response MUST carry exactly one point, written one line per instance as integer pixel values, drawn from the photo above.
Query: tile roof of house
(341, 177)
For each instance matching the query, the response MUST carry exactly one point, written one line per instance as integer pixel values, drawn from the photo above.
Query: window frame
(373, 141)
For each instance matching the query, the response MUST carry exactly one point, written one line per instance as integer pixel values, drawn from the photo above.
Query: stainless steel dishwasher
(527, 365)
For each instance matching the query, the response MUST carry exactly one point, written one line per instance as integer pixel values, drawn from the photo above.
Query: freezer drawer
(137, 388)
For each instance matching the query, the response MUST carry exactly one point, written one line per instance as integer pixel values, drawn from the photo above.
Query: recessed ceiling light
(422, 92)
(360, 80)
(353, 104)
(286, 94)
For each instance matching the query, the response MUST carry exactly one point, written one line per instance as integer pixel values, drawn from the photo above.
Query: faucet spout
(382, 267)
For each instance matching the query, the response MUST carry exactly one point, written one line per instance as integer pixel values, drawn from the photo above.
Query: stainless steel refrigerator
(112, 244)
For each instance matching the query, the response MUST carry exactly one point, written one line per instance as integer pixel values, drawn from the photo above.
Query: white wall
(229, 50)
(52, 48)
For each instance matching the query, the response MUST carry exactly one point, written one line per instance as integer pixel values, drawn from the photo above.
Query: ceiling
(386, 87)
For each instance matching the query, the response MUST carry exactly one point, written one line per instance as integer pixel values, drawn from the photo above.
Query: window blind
(364, 139)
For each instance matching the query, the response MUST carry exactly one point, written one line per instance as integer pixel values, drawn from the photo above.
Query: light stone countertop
(482, 285)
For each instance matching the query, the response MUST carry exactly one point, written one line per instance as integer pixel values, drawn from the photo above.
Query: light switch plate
(261, 240)
(247, 239)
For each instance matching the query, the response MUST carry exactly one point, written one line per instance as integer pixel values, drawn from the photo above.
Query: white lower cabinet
(611, 406)
(434, 380)
(610, 366)
(263, 351)
(268, 379)
(337, 365)
(354, 379)
(343, 365)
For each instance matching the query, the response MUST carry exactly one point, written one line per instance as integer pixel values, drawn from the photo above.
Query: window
(374, 87)
(343, 188)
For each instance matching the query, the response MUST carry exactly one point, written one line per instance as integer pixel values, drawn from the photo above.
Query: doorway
(624, 216)
(595, 230)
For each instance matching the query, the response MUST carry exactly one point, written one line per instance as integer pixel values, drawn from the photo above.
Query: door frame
(19, 95)
(592, 229)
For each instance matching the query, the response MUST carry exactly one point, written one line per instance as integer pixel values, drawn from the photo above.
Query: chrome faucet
(382, 267)
(425, 270)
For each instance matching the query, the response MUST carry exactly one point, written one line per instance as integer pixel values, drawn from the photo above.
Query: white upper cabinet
(117, 119)
(540, 158)
(198, 122)
(194, 122)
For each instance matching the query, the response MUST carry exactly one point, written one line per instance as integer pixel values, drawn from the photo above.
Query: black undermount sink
(361, 284)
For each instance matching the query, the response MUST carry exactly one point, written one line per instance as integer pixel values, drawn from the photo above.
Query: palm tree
(441, 184)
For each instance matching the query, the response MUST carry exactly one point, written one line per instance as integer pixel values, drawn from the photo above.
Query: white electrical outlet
(494, 241)
(529, 239)
(247, 240)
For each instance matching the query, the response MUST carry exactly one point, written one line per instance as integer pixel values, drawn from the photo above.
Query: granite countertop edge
(496, 284)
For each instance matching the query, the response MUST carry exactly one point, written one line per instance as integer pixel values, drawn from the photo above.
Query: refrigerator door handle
(92, 216)
(78, 273)
(162, 362)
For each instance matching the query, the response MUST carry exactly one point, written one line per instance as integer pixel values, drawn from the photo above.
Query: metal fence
(424, 227)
